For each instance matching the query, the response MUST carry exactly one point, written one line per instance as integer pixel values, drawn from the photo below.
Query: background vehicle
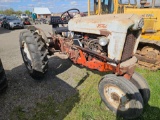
(37, 21)
(1, 16)
(149, 48)
(44, 21)
(11, 22)
(3, 80)
(2, 19)
(26, 21)
(95, 42)
(23, 16)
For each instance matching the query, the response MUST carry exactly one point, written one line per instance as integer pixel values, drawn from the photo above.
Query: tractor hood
(105, 24)
(113, 26)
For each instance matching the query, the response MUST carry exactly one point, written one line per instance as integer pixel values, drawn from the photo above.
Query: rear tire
(34, 53)
(121, 96)
(142, 86)
(3, 79)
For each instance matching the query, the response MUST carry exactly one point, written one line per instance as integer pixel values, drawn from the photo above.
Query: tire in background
(121, 96)
(3, 79)
(37, 65)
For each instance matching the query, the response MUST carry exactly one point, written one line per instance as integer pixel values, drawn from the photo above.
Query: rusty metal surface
(105, 32)
(129, 62)
(93, 63)
(103, 58)
(145, 59)
(86, 57)
(149, 57)
(148, 66)
(116, 97)
(92, 59)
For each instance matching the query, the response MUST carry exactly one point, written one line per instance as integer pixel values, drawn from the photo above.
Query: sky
(53, 5)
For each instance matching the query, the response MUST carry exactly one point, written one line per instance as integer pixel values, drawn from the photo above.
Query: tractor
(148, 52)
(3, 79)
(104, 43)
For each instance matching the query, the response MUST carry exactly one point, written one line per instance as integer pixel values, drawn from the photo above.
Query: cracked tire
(3, 79)
(142, 86)
(34, 53)
(121, 96)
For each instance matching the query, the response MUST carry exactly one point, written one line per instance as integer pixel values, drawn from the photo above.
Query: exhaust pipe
(143, 2)
(153, 3)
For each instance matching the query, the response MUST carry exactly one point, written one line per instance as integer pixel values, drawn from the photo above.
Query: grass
(86, 104)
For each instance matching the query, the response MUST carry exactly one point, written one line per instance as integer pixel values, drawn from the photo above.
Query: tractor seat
(59, 30)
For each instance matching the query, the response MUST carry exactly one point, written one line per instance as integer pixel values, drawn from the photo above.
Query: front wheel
(142, 86)
(121, 96)
(34, 53)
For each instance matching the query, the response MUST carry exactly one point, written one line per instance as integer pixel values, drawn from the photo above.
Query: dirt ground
(23, 91)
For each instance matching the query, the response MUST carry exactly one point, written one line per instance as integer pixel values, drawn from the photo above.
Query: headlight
(103, 41)
(138, 24)
(141, 23)
(11, 23)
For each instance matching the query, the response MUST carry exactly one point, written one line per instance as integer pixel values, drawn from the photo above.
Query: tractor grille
(17, 23)
(129, 45)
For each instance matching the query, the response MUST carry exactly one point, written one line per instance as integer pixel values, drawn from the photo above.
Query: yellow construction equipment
(148, 51)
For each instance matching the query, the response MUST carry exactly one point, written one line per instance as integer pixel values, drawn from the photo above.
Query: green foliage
(11, 12)
(91, 108)
(19, 12)
(27, 12)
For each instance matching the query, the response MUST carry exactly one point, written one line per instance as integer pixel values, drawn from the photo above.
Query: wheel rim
(26, 56)
(116, 97)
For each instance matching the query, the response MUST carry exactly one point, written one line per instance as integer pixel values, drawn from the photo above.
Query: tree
(1, 12)
(9, 11)
(18, 12)
(27, 12)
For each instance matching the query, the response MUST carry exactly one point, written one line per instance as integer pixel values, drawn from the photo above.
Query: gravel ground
(59, 82)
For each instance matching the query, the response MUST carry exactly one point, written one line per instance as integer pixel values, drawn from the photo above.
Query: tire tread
(38, 51)
(130, 89)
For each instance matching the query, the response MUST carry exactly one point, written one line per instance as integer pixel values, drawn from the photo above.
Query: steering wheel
(66, 16)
